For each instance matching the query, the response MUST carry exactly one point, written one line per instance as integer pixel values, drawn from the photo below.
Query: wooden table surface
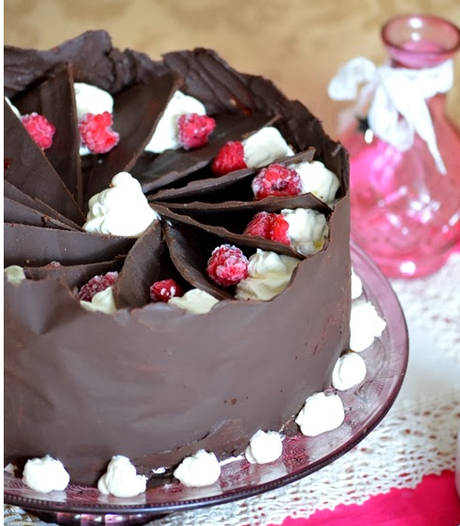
(297, 43)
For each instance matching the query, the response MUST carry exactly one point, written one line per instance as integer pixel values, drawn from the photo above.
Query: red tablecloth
(434, 502)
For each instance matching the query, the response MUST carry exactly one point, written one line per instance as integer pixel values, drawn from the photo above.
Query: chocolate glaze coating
(153, 382)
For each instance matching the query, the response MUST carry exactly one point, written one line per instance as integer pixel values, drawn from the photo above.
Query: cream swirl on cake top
(121, 210)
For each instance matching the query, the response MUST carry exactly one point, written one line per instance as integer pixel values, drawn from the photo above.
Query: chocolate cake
(152, 381)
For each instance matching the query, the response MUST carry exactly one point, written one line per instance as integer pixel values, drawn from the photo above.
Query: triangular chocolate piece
(235, 215)
(140, 270)
(73, 275)
(13, 193)
(36, 246)
(209, 187)
(225, 236)
(14, 212)
(211, 80)
(64, 154)
(87, 53)
(29, 170)
(135, 116)
(234, 185)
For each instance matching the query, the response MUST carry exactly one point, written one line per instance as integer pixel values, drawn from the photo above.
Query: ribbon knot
(398, 108)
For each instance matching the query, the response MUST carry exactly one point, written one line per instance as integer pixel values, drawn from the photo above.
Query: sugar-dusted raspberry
(194, 130)
(269, 226)
(229, 158)
(96, 132)
(260, 225)
(40, 129)
(277, 180)
(97, 284)
(164, 290)
(227, 265)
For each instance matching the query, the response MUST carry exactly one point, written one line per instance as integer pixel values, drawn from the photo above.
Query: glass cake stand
(365, 406)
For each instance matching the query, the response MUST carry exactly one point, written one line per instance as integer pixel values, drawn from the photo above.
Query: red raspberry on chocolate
(194, 130)
(164, 290)
(229, 158)
(96, 132)
(97, 284)
(227, 265)
(269, 226)
(40, 129)
(277, 180)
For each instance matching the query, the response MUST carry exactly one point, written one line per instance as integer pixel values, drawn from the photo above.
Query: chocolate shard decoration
(64, 154)
(14, 212)
(234, 216)
(93, 60)
(60, 217)
(136, 114)
(222, 235)
(212, 81)
(211, 185)
(268, 204)
(189, 252)
(173, 165)
(30, 171)
(73, 275)
(35, 246)
(205, 186)
(87, 53)
(140, 270)
(13, 193)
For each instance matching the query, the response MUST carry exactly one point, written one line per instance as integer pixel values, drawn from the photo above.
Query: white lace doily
(416, 438)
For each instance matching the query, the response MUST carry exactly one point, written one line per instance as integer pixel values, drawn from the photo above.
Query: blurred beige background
(297, 43)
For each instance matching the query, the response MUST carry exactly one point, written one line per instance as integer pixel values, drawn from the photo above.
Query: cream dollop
(103, 301)
(365, 325)
(350, 370)
(166, 135)
(121, 480)
(318, 180)
(45, 474)
(15, 274)
(269, 275)
(307, 230)
(120, 210)
(91, 99)
(264, 447)
(201, 469)
(356, 285)
(195, 301)
(264, 147)
(320, 413)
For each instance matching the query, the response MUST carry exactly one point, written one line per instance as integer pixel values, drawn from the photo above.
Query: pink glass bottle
(404, 212)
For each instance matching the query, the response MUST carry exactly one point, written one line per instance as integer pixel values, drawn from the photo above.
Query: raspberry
(97, 284)
(96, 134)
(40, 129)
(229, 158)
(276, 180)
(227, 265)
(269, 226)
(194, 130)
(164, 290)
(279, 231)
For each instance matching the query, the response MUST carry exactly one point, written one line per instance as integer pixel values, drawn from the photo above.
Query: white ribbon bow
(398, 108)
